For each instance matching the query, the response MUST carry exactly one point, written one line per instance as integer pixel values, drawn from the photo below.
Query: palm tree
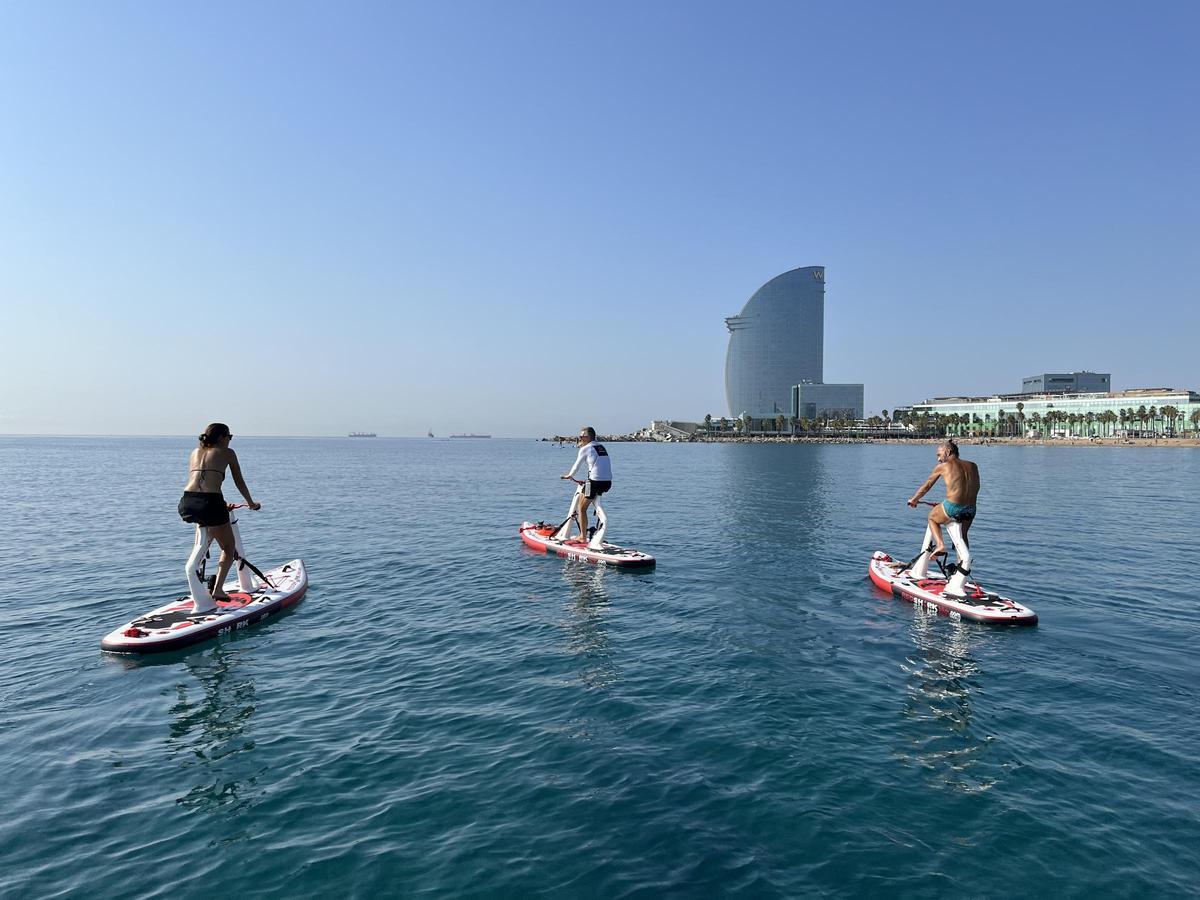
(1021, 416)
(779, 422)
(1143, 416)
(1195, 419)
(1171, 414)
(1036, 421)
(747, 422)
(708, 421)
(1001, 418)
(1091, 420)
(887, 420)
(724, 423)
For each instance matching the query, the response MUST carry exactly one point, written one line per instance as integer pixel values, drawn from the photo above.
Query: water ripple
(451, 714)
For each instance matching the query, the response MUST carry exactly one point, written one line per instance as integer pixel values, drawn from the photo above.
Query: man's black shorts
(594, 489)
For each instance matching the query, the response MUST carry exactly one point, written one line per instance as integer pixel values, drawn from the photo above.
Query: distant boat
(431, 434)
(363, 434)
(470, 435)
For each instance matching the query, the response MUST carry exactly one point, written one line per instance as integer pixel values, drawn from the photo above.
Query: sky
(517, 218)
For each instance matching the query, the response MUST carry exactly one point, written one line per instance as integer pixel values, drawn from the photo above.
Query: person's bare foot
(938, 551)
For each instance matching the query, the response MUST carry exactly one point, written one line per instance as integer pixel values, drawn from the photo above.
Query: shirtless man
(962, 489)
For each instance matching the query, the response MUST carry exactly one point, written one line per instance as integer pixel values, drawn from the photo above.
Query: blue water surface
(451, 714)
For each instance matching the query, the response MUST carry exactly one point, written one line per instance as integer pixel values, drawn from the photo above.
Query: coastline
(1190, 442)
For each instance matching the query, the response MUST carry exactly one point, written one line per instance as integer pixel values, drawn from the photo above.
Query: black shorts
(208, 510)
(594, 489)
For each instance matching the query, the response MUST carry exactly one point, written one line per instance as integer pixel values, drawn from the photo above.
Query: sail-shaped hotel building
(775, 362)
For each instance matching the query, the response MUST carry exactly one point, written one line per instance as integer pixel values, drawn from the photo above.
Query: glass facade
(775, 342)
(1059, 382)
(1143, 411)
(819, 401)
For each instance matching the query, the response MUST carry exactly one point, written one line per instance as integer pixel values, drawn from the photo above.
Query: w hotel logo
(819, 274)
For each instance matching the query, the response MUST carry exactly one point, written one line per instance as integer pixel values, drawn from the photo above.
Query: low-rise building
(813, 400)
(1137, 411)
(1084, 382)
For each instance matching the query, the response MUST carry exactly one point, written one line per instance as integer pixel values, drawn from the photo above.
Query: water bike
(591, 546)
(254, 595)
(949, 592)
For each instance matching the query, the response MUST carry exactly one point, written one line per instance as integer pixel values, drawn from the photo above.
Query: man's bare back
(962, 480)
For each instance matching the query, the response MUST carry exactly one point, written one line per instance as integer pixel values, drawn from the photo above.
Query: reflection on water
(210, 724)
(774, 495)
(939, 692)
(586, 628)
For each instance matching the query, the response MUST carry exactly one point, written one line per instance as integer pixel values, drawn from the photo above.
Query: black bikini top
(203, 469)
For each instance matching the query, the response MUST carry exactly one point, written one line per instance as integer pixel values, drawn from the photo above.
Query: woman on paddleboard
(202, 502)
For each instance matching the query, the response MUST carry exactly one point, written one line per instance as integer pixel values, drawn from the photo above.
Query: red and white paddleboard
(540, 536)
(174, 626)
(928, 593)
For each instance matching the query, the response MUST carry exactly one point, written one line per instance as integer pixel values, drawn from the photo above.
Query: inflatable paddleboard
(540, 536)
(928, 593)
(173, 626)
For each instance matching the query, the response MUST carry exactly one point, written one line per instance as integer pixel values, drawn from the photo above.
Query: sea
(451, 714)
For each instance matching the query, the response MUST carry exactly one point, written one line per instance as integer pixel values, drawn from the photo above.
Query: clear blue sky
(517, 218)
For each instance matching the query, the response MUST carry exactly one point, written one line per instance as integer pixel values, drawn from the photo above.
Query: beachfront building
(776, 342)
(819, 402)
(1084, 382)
(1143, 411)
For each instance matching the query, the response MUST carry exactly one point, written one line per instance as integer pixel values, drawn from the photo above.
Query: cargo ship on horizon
(470, 435)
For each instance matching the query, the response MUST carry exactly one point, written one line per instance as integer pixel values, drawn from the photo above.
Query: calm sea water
(449, 714)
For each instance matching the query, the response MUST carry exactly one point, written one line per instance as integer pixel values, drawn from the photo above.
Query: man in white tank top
(599, 473)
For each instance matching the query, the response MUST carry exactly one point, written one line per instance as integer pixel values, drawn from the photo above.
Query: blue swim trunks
(959, 512)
